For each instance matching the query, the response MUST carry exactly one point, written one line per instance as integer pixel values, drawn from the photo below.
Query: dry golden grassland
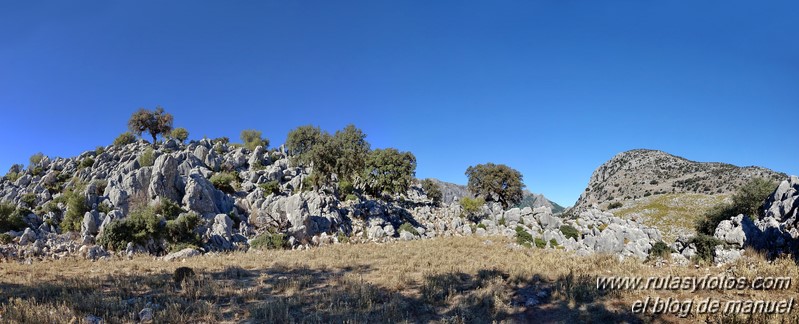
(673, 214)
(447, 280)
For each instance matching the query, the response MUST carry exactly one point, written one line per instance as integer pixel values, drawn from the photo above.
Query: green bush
(12, 175)
(540, 243)
(180, 134)
(124, 139)
(747, 200)
(29, 199)
(169, 209)
(351, 197)
(181, 229)
(252, 139)
(408, 228)
(553, 243)
(269, 241)
(483, 226)
(36, 158)
(147, 158)
(705, 247)
(76, 208)
(523, 238)
(87, 162)
(660, 250)
(11, 218)
(569, 231)
(225, 181)
(501, 221)
(140, 225)
(389, 171)
(345, 188)
(99, 150)
(615, 204)
(270, 188)
(5, 238)
(432, 191)
(37, 171)
(471, 206)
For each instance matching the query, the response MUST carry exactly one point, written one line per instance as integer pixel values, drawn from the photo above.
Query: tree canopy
(252, 139)
(496, 182)
(157, 122)
(389, 171)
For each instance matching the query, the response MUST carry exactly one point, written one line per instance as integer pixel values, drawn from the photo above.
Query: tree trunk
(153, 135)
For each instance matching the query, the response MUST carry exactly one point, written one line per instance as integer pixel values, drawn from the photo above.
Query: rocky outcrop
(640, 173)
(775, 233)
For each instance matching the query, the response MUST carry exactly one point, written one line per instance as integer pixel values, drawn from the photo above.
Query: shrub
(99, 150)
(29, 199)
(660, 250)
(180, 134)
(705, 247)
(169, 209)
(615, 204)
(11, 218)
(540, 243)
(147, 158)
(471, 206)
(37, 171)
(553, 243)
(501, 221)
(747, 200)
(523, 238)
(87, 162)
(483, 226)
(270, 187)
(76, 208)
(408, 228)
(496, 181)
(569, 231)
(301, 140)
(225, 181)
(269, 241)
(252, 139)
(5, 238)
(180, 231)
(432, 191)
(36, 158)
(124, 139)
(14, 173)
(345, 188)
(141, 225)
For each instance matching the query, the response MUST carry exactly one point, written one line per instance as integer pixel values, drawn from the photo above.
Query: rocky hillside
(642, 173)
(213, 196)
(451, 192)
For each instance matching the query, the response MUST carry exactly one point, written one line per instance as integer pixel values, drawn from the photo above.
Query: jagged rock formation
(451, 192)
(776, 232)
(115, 182)
(640, 173)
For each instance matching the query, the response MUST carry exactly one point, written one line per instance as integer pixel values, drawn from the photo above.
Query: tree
(432, 191)
(180, 134)
(252, 139)
(496, 182)
(352, 148)
(389, 171)
(124, 139)
(747, 200)
(301, 140)
(322, 158)
(155, 123)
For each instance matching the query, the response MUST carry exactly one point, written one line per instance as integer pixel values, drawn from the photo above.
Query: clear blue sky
(551, 88)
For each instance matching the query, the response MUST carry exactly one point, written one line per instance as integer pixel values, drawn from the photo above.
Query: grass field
(672, 214)
(446, 280)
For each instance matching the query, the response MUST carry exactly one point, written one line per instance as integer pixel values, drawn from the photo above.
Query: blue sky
(551, 88)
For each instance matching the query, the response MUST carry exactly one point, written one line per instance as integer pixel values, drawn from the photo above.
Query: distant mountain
(451, 191)
(641, 173)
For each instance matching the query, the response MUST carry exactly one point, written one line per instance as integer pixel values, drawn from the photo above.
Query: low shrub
(523, 238)
(180, 134)
(76, 208)
(11, 218)
(270, 188)
(345, 188)
(408, 228)
(5, 238)
(660, 250)
(351, 197)
(124, 139)
(36, 158)
(180, 231)
(147, 158)
(705, 247)
(87, 162)
(540, 243)
(99, 150)
(29, 199)
(269, 241)
(141, 225)
(553, 243)
(225, 181)
(569, 231)
(471, 206)
(615, 204)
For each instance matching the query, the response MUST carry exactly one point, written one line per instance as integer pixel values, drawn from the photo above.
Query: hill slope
(641, 173)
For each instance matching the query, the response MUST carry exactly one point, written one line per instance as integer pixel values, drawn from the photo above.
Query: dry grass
(673, 214)
(448, 280)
